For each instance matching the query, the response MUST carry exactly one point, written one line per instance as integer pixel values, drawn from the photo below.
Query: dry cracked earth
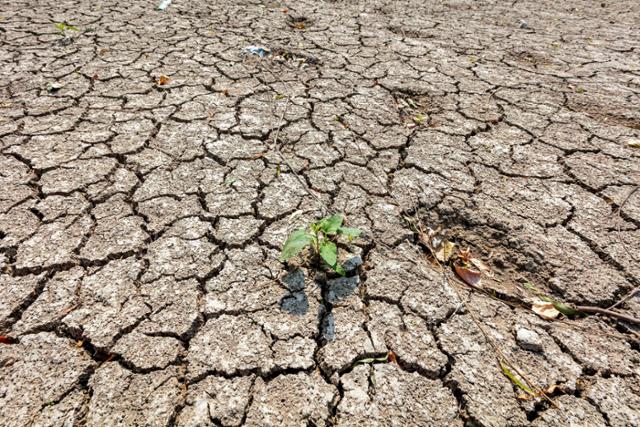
(141, 219)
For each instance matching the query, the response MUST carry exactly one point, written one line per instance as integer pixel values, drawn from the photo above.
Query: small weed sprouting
(320, 237)
(63, 26)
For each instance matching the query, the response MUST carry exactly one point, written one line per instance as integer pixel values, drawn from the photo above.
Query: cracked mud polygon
(151, 168)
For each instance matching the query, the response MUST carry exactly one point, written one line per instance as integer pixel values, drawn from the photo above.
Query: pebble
(529, 340)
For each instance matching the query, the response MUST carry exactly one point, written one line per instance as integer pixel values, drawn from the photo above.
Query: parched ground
(141, 216)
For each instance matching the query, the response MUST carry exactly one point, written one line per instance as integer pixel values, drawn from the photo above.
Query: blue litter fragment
(258, 50)
(164, 4)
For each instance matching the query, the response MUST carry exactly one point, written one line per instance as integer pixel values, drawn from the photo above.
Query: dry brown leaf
(226, 92)
(163, 80)
(391, 358)
(445, 252)
(299, 26)
(6, 340)
(545, 309)
(424, 239)
(470, 277)
(477, 263)
(464, 255)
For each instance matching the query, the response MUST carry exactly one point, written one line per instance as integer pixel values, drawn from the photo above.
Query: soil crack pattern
(156, 155)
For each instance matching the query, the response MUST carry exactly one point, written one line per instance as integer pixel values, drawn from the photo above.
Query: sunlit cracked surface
(141, 221)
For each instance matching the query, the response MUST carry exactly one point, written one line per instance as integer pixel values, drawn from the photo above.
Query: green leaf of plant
(331, 224)
(297, 241)
(329, 252)
(515, 379)
(372, 377)
(338, 269)
(371, 360)
(349, 233)
(565, 309)
(63, 26)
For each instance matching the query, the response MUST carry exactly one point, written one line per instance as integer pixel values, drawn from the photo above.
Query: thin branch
(626, 297)
(610, 313)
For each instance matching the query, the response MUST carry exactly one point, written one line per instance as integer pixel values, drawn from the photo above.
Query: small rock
(294, 280)
(529, 340)
(352, 263)
(341, 288)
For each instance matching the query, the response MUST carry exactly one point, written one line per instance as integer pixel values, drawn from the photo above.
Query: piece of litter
(258, 50)
(523, 24)
(164, 4)
(545, 309)
(54, 87)
(163, 80)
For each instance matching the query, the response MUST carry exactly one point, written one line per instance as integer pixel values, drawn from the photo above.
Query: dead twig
(607, 312)
(626, 297)
(631, 193)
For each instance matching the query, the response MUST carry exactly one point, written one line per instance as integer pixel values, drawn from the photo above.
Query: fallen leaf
(514, 379)
(369, 360)
(545, 309)
(391, 358)
(565, 309)
(481, 266)
(299, 26)
(163, 80)
(446, 251)
(549, 390)
(6, 340)
(226, 92)
(633, 144)
(372, 377)
(470, 277)
(95, 77)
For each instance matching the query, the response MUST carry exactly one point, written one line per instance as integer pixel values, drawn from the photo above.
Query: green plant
(62, 26)
(321, 237)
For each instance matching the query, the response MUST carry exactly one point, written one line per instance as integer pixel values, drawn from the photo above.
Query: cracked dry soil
(141, 223)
